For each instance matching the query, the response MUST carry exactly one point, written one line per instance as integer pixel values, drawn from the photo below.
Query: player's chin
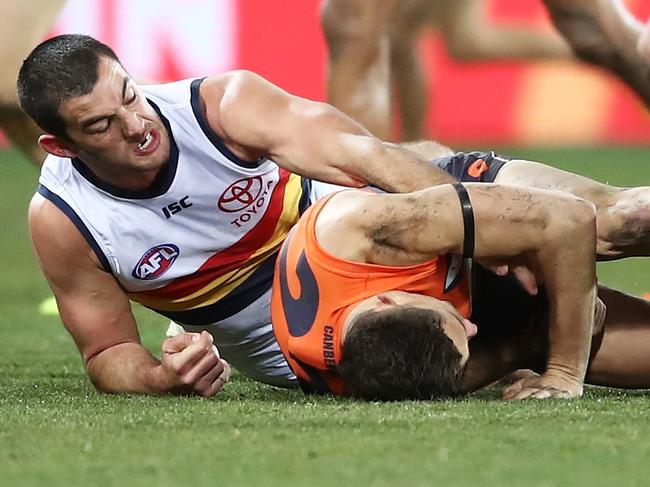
(148, 163)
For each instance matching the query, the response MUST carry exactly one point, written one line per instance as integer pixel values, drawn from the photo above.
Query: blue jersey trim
(160, 184)
(238, 299)
(70, 213)
(209, 133)
(305, 202)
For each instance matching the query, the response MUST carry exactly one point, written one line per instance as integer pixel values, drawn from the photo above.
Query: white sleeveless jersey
(199, 245)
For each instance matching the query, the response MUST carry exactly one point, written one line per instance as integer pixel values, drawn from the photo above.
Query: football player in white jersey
(95, 116)
(117, 151)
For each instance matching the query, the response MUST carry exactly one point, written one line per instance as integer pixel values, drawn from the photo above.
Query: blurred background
(522, 103)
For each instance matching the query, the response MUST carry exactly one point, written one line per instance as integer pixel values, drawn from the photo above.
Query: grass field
(55, 430)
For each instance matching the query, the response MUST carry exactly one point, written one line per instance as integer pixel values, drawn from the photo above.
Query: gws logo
(155, 262)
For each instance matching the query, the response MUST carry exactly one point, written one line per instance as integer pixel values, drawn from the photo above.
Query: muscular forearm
(556, 233)
(359, 159)
(567, 267)
(128, 367)
(401, 169)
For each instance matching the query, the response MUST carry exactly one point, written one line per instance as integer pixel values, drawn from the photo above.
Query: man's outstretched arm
(552, 231)
(257, 119)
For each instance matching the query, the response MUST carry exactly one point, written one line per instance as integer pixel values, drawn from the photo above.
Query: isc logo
(155, 262)
(176, 206)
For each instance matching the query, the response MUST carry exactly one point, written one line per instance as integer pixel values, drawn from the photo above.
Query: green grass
(55, 430)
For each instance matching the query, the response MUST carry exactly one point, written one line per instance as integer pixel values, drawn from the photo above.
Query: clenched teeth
(145, 143)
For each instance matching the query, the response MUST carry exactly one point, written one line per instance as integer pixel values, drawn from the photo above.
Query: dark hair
(400, 353)
(58, 69)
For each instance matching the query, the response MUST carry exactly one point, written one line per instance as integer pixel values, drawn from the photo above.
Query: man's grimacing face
(113, 129)
(459, 330)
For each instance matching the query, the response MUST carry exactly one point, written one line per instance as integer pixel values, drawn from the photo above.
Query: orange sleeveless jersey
(314, 291)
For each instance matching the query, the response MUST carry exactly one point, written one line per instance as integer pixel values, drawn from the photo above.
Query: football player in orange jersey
(365, 284)
(368, 300)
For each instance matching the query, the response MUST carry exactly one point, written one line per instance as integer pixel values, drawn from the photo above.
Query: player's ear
(56, 146)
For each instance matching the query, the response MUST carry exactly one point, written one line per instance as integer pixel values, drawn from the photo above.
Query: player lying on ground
(179, 196)
(370, 297)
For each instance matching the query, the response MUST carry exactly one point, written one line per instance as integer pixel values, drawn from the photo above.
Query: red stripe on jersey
(232, 257)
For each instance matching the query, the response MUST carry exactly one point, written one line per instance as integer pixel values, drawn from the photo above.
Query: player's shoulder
(234, 84)
(232, 79)
(172, 93)
(44, 215)
(52, 232)
(341, 225)
(354, 207)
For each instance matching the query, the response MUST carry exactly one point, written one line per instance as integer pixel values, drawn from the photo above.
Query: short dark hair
(59, 68)
(400, 353)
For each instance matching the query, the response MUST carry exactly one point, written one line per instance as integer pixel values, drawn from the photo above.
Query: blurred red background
(505, 103)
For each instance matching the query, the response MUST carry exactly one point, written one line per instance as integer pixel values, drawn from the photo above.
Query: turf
(56, 430)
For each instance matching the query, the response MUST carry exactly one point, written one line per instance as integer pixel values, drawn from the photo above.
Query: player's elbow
(95, 376)
(582, 214)
(95, 365)
(575, 218)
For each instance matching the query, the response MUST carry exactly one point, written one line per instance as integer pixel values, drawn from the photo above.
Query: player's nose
(133, 126)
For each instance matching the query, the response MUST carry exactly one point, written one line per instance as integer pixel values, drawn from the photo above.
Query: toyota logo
(240, 194)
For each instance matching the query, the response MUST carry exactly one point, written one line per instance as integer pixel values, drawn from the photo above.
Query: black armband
(468, 220)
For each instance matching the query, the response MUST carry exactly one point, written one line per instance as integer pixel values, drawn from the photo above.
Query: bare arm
(257, 119)
(97, 314)
(554, 231)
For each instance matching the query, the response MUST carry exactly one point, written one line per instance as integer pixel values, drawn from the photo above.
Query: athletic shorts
(501, 307)
(472, 167)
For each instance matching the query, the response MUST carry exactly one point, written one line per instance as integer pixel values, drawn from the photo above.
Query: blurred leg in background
(606, 34)
(373, 43)
(24, 24)
(358, 78)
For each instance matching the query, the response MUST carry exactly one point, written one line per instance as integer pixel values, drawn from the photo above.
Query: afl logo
(155, 262)
(240, 194)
